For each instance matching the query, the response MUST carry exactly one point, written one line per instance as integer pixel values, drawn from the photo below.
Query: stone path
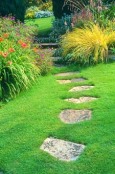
(71, 116)
(71, 81)
(63, 150)
(66, 74)
(64, 81)
(78, 80)
(81, 88)
(81, 99)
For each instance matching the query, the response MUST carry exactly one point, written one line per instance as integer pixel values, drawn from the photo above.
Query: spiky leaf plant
(89, 44)
(17, 58)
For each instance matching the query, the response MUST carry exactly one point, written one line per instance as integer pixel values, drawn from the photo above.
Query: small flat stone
(70, 81)
(64, 81)
(78, 80)
(81, 99)
(66, 74)
(63, 150)
(81, 88)
(71, 116)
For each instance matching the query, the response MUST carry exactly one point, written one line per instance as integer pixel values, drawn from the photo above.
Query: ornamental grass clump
(90, 44)
(17, 58)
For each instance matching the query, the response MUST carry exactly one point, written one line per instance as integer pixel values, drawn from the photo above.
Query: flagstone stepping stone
(81, 88)
(81, 99)
(71, 116)
(78, 80)
(64, 81)
(63, 150)
(70, 81)
(66, 74)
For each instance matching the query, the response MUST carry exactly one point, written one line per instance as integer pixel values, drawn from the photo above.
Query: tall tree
(59, 9)
(15, 8)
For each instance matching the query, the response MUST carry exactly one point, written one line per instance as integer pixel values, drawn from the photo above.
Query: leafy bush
(90, 44)
(43, 14)
(31, 12)
(45, 6)
(95, 11)
(17, 58)
(44, 61)
(61, 26)
(35, 12)
(102, 14)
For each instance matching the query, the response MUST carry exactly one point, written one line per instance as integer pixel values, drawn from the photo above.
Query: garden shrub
(34, 12)
(31, 12)
(89, 44)
(17, 57)
(43, 14)
(95, 11)
(103, 14)
(45, 6)
(44, 61)
(61, 26)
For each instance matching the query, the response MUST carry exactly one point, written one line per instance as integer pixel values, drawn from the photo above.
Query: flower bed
(19, 58)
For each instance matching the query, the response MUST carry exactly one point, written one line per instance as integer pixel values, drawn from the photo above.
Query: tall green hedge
(13, 7)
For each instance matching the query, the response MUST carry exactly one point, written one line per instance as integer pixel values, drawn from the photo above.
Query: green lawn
(29, 119)
(44, 25)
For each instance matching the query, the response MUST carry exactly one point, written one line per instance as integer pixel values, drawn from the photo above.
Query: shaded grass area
(33, 116)
(44, 25)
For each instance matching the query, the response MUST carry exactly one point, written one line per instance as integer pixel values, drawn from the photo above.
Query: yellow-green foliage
(91, 42)
(46, 6)
(30, 12)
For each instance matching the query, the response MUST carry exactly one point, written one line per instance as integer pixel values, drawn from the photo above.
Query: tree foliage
(13, 7)
(59, 9)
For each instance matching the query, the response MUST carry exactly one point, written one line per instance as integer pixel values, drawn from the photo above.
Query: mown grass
(44, 25)
(33, 116)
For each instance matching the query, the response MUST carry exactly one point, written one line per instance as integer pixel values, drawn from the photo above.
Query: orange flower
(24, 45)
(11, 50)
(35, 50)
(1, 39)
(20, 41)
(5, 35)
(9, 62)
(5, 54)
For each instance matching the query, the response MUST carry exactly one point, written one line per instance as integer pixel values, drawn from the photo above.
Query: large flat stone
(64, 81)
(63, 150)
(71, 116)
(81, 99)
(71, 81)
(81, 88)
(67, 74)
(78, 79)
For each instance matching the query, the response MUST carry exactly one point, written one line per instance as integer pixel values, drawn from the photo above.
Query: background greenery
(44, 25)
